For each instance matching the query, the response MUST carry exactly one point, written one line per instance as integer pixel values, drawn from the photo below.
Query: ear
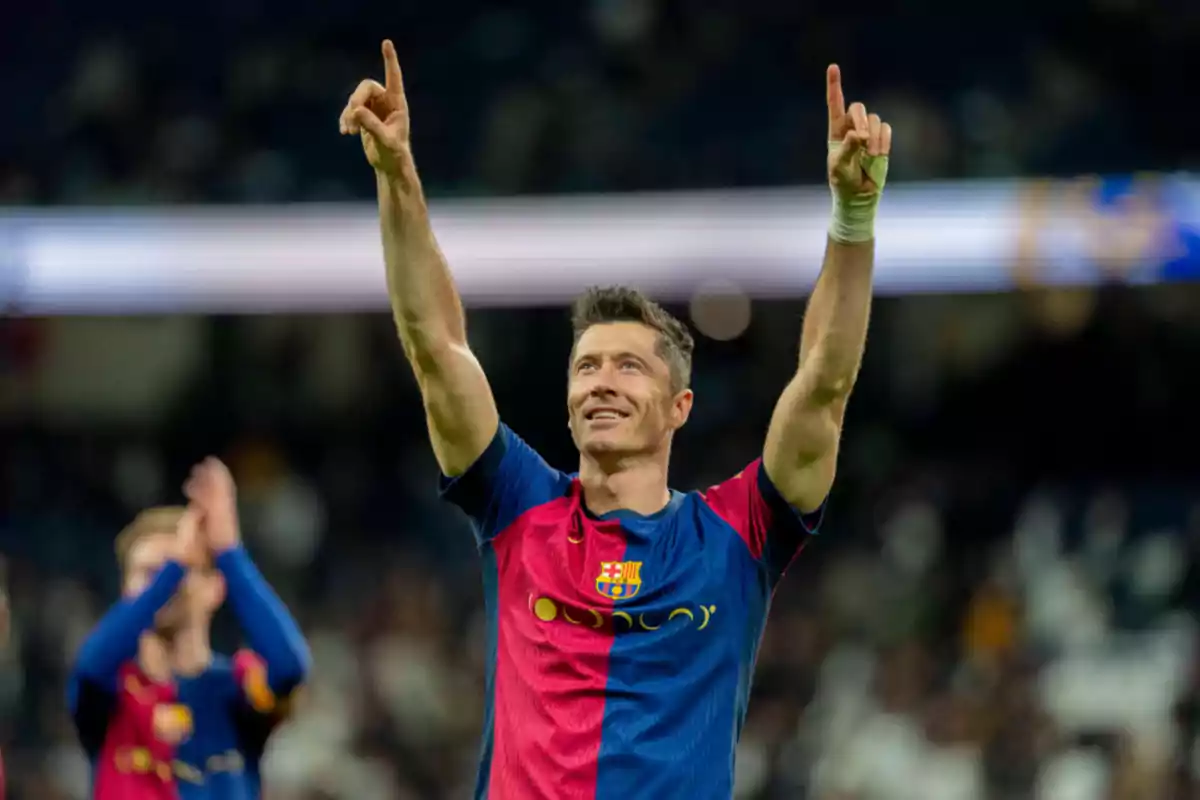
(681, 408)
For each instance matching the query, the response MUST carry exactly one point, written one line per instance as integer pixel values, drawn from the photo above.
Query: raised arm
(265, 621)
(459, 406)
(800, 455)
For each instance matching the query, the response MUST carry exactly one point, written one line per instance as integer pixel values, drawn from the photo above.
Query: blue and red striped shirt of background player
(229, 709)
(620, 647)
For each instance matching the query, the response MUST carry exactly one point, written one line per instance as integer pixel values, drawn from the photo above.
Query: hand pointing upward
(859, 143)
(379, 114)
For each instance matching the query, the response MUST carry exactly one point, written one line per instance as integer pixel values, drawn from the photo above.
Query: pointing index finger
(833, 96)
(391, 68)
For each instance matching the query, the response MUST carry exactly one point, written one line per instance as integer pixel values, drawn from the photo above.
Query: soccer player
(158, 713)
(623, 617)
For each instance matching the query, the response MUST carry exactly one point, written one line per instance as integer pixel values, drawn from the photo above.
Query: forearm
(835, 327)
(425, 303)
(800, 454)
(269, 627)
(459, 407)
(115, 638)
(835, 324)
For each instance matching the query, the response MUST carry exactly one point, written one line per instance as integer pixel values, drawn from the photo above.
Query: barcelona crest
(619, 580)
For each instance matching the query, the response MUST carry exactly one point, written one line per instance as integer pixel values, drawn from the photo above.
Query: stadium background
(1001, 604)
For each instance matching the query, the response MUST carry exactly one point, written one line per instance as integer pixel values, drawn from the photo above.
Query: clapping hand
(210, 490)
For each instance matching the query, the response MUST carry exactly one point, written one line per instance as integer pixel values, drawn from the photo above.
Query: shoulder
(249, 671)
(732, 500)
(750, 498)
(508, 479)
(133, 684)
(752, 507)
(129, 670)
(245, 661)
(697, 511)
(507, 459)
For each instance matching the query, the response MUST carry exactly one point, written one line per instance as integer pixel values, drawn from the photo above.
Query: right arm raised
(459, 406)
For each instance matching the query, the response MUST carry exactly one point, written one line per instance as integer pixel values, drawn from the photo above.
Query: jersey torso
(621, 648)
(221, 758)
(219, 751)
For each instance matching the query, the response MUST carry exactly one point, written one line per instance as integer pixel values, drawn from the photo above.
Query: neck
(635, 483)
(186, 652)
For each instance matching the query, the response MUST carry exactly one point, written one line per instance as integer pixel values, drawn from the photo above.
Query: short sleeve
(507, 480)
(772, 529)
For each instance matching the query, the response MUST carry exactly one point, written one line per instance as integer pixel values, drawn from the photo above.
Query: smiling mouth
(604, 414)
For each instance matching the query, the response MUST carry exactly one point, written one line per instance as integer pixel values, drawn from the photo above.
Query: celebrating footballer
(623, 617)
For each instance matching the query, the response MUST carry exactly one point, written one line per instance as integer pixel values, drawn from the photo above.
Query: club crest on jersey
(619, 580)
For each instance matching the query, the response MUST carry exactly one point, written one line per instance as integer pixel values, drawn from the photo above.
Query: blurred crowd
(237, 101)
(999, 607)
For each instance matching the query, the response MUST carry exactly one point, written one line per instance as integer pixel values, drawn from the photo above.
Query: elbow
(91, 665)
(829, 377)
(439, 362)
(832, 389)
(302, 668)
(294, 668)
(428, 346)
(87, 667)
(285, 673)
(829, 386)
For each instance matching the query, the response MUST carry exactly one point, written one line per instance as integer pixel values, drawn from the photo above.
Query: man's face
(198, 597)
(619, 398)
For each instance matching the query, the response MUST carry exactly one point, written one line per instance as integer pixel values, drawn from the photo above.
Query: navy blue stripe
(491, 595)
(675, 692)
(789, 529)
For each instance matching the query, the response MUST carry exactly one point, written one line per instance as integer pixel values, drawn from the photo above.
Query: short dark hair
(604, 304)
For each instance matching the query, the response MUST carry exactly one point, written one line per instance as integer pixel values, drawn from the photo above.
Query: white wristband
(853, 221)
(853, 218)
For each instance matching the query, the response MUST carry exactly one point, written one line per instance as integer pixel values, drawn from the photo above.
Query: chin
(169, 620)
(595, 448)
(607, 445)
(166, 628)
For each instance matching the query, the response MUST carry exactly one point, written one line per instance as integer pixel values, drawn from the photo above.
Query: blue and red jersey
(227, 712)
(620, 647)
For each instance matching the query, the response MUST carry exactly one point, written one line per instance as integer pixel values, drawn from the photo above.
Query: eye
(585, 366)
(630, 364)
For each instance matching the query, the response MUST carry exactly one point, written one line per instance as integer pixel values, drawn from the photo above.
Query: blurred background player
(159, 714)
(624, 618)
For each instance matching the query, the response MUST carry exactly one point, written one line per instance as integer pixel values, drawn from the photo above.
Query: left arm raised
(800, 453)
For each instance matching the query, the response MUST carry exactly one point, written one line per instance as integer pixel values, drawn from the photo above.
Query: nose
(602, 386)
